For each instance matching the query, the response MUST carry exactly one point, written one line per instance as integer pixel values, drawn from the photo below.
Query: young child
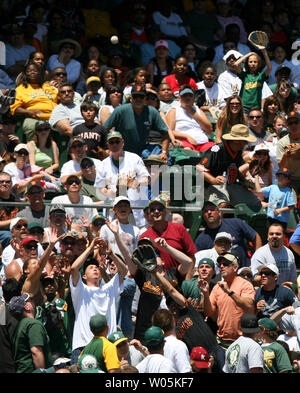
(93, 84)
(93, 133)
(253, 79)
(280, 197)
(276, 358)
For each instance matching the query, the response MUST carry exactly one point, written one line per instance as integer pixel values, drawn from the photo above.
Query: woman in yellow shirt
(35, 99)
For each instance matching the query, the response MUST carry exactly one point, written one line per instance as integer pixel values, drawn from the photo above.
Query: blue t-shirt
(280, 297)
(238, 229)
(295, 238)
(278, 198)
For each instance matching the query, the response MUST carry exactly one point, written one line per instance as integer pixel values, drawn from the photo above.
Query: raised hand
(161, 242)
(114, 227)
(203, 285)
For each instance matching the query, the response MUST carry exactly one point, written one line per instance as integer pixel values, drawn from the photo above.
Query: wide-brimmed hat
(76, 44)
(239, 132)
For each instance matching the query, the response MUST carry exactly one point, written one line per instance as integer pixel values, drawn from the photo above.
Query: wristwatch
(231, 293)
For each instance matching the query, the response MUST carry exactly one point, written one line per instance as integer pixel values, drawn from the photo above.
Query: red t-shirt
(176, 236)
(175, 86)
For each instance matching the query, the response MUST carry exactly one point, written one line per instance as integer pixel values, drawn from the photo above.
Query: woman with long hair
(161, 65)
(232, 114)
(43, 150)
(285, 96)
(270, 111)
(113, 99)
(108, 77)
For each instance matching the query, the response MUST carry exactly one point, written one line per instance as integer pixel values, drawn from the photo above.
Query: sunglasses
(66, 91)
(76, 181)
(255, 117)
(60, 74)
(19, 226)
(267, 273)
(159, 208)
(234, 104)
(30, 246)
(285, 89)
(87, 165)
(210, 208)
(224, 262)
(23, 153)
(43, 129)
(114, 141)
(5, 181)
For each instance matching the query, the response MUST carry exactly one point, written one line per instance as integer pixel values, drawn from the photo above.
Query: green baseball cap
(98, 322)
(154, 336)
(117, 337)
(268, 324)
(207, 261)
(114, 134)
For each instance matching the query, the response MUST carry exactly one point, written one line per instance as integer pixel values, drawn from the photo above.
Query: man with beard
(276, 253)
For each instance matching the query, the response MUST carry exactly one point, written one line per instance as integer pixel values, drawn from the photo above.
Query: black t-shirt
(94, 135)
(219, 159)
(8, 325)
(280, 297)
(193, 331)
(150, 297)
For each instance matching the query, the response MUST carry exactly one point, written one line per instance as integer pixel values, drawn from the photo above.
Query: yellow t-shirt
(34, 97)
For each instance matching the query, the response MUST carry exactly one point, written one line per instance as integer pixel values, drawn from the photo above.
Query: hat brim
(200, 364)
(76, 44)
(120, 341)
(251, 330)
(229, 137)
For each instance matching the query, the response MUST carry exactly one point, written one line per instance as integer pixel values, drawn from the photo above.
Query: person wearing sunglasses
(73, 197)
(270, 296)
(228, 301)
(277, 253)
(77, 149)
(284, 158)
(88, 178)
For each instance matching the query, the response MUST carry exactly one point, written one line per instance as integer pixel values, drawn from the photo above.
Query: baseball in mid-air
(114, 39)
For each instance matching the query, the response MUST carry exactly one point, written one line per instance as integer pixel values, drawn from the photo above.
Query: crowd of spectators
(97, 100)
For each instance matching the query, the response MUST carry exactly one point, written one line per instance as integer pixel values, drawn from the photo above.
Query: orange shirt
(229, 314)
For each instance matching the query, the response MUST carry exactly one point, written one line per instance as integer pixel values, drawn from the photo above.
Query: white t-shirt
(243, 355)
(284, 260)
(88, 301)
(71, 112)
(292, 322)
(155, 363)
(77, 212)
(177, 351)
(188, 125)
(214, 95)
(72, 166)
(129, 234)
(131, 165)
(171, 26)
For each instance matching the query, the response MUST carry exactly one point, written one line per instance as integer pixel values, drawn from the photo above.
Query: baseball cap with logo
(268, 324)
(283, 171)
(114, 134)
(200, 357)
(207, 261)
(27, 240)
(138, 90)
(249, 323)
(88, 364)
(223, 235)
(17, 303)
(161, 43)
(117, 337)
(293, 115)
(154, 336)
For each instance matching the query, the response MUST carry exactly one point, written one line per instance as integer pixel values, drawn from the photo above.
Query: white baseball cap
(15, 220)
(261, 147)
(224, 235)
(119, 199)
(270, 266)
(231, 52)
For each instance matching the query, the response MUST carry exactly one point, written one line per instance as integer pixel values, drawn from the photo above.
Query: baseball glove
(254, 167)
(293, 150)
(144, 257)
(259, 39)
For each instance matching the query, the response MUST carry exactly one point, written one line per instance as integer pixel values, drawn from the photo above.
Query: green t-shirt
(30, 333)
(135, 128)
(276, 359)
(251, 91)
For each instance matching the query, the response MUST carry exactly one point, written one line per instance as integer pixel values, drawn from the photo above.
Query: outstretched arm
(168, 287)
(80, 261)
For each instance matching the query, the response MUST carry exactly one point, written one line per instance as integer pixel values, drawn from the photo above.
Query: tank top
(42, 159)
(188, 125)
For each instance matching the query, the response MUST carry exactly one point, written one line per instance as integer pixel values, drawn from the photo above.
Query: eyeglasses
(30, 246)
(60, 74)
(87, 165)
(19, 226)
(268, 273)
(224, 262)
(159, 208)
(114, 141)
(76, 181)
(255, 117)
(69, 91)
(5, 181)
(43, 129)
(23, 153)
(98, 223)
(210, 208)
(285, 89)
